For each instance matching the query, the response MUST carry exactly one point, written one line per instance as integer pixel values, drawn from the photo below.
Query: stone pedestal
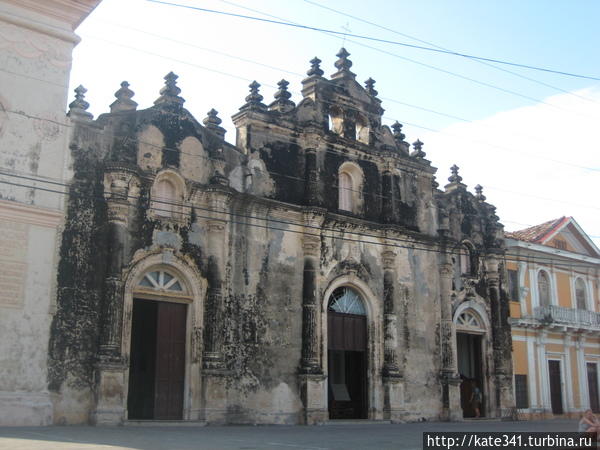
(110, 394)
(313, 390)
(393, 406)
(452, 410)
(214, 398)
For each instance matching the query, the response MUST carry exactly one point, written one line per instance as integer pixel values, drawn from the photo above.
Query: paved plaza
(347, 435)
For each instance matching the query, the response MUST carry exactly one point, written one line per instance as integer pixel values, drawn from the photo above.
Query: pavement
(346, 435)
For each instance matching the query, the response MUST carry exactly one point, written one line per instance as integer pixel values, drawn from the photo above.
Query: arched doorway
(158, 347)
(470, 332)
(347, 354)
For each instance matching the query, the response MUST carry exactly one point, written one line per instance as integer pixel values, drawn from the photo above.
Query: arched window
(362, 130)
(580, 294)
(350, 188)
(465, 260)
(336, 120)
(346, 300)
(161, 280)
(164, 196)
(543, 282)
(345, 188)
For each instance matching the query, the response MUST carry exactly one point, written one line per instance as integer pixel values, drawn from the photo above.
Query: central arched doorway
(470, 333)
(158, 348)
(347, 355)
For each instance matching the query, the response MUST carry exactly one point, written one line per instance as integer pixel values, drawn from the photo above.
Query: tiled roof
(537, 233)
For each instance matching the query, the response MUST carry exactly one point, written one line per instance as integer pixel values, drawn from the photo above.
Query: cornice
(29, 214)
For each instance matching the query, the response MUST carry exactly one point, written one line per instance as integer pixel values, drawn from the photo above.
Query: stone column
(110, 366)
(313, 383)
(393, 381)
(387, 202)
(502, 341)
(449, 377)
(311, 193)
(214, 393)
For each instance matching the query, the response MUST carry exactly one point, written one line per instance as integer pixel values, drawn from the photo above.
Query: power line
(268, 219)
(520, 152)
(300, 75)
(280, 175)
(444, 48)
(429, 66)
(385, 41)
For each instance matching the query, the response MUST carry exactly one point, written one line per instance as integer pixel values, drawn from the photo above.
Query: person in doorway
(589, 423)
(476, 399)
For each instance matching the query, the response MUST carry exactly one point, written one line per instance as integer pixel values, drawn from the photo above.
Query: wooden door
(170, 361)
(555, 387)
(592, 376)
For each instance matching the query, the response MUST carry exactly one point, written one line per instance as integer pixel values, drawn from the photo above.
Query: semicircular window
(346, 301)
(468, 320)
(161, 281)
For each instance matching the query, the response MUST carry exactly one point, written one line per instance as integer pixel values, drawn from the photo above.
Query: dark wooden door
(347, 345)
(170, 361)
(555, 387)
(592, 376)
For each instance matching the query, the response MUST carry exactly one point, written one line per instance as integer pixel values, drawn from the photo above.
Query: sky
(530, 138)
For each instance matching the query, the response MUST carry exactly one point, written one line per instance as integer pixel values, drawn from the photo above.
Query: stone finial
(397, 129)
(254, 99)
(78, 107)
(212, 122)
(169, 94)
(418, 152)
(123, 101)
(479, 193)
(343, 65)
(370, 87)
(282, 101)
(315, 68)
(455, 177)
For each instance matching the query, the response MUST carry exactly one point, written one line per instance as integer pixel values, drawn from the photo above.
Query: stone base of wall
(25, 409)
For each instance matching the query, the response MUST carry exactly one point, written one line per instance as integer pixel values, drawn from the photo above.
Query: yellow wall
(515, 309)
(574, 377)
(564, 289)
(520, 358)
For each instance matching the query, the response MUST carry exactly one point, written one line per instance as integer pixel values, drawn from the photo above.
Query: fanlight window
(161, 281)
(347, 301)
(469, 320)
(580, 294)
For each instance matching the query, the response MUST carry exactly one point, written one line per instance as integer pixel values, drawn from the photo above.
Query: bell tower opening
(347, 355)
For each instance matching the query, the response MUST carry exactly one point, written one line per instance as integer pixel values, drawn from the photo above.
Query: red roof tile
(537, 233)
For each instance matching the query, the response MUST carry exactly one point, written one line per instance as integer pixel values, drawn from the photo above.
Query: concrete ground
(346, 435)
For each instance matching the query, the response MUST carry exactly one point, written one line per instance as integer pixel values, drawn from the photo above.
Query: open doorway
(347, 355)
(468, 350)
(157, 361)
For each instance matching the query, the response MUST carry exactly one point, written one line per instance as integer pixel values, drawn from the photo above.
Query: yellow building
(553, 274)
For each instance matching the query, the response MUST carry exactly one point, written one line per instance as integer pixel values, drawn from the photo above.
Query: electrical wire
(369, 38)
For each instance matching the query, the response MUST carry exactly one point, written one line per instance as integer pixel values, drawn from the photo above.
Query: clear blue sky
(528, 145)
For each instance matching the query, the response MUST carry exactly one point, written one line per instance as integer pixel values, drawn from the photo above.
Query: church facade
(313, 271)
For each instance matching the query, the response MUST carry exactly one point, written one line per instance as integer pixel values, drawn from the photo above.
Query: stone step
(164, 423)
(357, 422)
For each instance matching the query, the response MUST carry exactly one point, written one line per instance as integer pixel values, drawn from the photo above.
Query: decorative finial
(169, 94)
(479, 193)
(455, 177)
(398, 134)
(212, 122)
(369, 85)
(418, 146)
(79, 106)
(282, 101)
(343, 65)
(254, 99)
(315, 68)
(123, 101)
